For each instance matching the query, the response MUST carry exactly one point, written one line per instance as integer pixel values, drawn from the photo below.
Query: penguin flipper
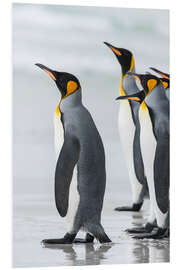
(67, 160)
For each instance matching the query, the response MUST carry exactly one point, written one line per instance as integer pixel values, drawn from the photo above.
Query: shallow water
(71, 39)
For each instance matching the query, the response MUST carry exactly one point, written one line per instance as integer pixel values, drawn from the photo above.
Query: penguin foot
(89, 239)
(105, 240)
(156, 234)
(134, 208)
(146, 229)
(80, 241)
(167, 233)
(67, 239)
(98, 232)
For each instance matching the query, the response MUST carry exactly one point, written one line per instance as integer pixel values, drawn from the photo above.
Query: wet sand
(31, 230)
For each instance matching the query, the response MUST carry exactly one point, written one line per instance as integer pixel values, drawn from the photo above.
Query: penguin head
(148, 82)
(165, 77)
(162, 74)
(125, 58)
(66, 82)
(165, 82)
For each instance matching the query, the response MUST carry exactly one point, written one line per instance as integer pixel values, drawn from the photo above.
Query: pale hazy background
(69, 38)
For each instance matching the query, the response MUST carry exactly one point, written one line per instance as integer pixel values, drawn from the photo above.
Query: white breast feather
(126, 132)
(73, 192)
(148, 148)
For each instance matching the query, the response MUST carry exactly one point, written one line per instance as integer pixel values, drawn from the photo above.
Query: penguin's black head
(125, 58)
(165, 77)
(148, 81)
(162, 74)
(66, 82)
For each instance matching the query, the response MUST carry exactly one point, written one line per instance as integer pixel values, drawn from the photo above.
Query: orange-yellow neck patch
(151, 84)
(122, 92)
(143, 106)
(71, 87)
(132, 64)
(58, 113)
(165, 84)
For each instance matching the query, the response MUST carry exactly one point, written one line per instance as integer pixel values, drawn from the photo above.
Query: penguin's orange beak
(129, 98)
(47, 70)
(114, 49)
(139, 96)
(162, 74)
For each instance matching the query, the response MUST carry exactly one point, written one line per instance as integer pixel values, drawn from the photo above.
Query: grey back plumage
(158, 105)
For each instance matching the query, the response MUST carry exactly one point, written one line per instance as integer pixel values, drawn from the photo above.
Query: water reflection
(147, 251)
(92, 254)
(138, 219)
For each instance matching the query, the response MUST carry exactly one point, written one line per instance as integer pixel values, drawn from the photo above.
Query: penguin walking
(165, 79)
(82, 147)
(154, 124)
(129, 130)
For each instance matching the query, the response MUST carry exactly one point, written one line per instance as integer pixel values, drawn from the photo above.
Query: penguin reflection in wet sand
(82, 147)
(129, 130)
(154, 123)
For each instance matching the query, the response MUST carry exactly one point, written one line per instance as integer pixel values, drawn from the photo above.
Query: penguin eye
(151, 84)
(72, 86)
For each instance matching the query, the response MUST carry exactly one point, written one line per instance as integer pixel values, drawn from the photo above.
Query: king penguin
(165, 79)
(129, 130)
(154, 124)
(73, 193)
(82, 147)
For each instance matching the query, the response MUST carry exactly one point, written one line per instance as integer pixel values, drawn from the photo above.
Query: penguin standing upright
(129, 130)
(154, 124)
(82, 147)
(165, 79)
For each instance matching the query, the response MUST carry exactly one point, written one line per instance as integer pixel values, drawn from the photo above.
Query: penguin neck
(72, 100)
(156, 96)
(128, 84)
